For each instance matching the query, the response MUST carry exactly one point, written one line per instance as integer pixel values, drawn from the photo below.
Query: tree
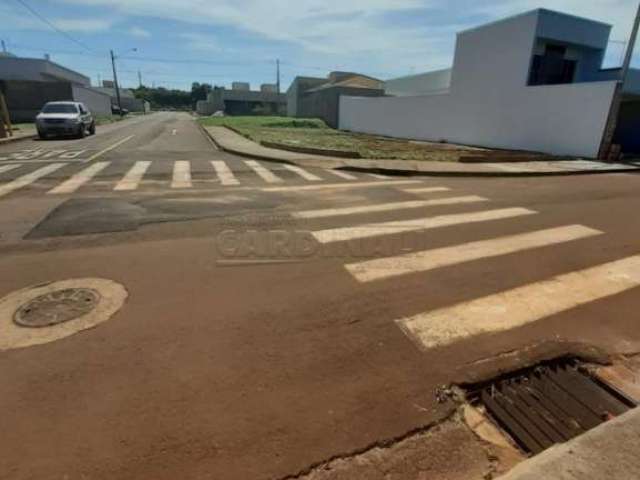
(199, 91)
(160, 98)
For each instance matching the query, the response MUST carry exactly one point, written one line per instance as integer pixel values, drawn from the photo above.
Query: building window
(552, 68)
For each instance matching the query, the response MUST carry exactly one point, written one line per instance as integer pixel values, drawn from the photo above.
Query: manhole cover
(56, 307)
(51, 311)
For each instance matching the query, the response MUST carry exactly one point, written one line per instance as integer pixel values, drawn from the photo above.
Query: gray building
(310, 97)
(29, 83)
(127, 98)
(240, 100)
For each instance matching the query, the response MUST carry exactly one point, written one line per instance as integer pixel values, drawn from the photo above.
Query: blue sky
(219, 41)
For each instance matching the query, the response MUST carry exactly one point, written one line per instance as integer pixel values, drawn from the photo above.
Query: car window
(82, 109)
(60, 108)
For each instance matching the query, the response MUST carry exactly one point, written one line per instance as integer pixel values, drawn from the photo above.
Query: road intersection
(238, 363)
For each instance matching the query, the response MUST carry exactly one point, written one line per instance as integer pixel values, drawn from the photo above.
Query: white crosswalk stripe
(181, 174)
(303, 173)
(133, 177)
(387, 228)
(224, 173)
(8, 168)
(338, 186)
(522, 305)
(426, 190)
(79, 179)
(386, 207)
(267, 175)
(341, 174)
(29, 178)
(423, 261)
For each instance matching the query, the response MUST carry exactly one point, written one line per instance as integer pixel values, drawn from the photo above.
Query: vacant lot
(314, 133)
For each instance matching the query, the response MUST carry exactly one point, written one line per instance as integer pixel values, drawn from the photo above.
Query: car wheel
(92, 129)
(42, 135)
(81, 131)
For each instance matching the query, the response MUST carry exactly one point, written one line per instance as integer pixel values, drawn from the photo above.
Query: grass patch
(23, 126)
(309, 132)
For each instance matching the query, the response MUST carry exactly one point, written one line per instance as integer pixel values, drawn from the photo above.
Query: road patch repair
(55, 310)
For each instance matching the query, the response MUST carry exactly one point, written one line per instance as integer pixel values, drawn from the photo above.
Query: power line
(60, 31)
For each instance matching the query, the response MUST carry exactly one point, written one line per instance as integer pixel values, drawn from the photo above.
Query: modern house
(241, 100)
(310, 97)
(531, 82)
(29, 83)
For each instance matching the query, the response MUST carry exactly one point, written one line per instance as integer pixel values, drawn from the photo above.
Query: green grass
(309, 132)
(24, 126)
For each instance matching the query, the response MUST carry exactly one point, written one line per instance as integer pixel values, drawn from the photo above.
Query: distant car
(115, 110)
(65, 118)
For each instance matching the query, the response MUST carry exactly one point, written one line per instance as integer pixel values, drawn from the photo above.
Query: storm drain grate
(550, 404)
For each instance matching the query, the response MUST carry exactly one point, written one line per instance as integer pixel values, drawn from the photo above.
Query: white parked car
(65, 118)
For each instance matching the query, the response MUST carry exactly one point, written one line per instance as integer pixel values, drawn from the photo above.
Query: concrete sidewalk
(22, 134)
(232, 142)
(611, 450)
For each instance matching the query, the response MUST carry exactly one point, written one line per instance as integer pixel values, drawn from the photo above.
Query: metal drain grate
(550, 404)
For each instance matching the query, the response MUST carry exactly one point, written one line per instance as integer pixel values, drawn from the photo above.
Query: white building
(530, 82)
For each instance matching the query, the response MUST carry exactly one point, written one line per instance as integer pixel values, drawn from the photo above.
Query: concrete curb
(608, 451)
(4, 141)
(408, 172)
(240, 153)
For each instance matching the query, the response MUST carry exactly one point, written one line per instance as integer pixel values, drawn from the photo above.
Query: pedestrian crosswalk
(133, 177)
(181, 174)
(519, 306)
(71, 178)
(266, 174)
(494, 313)
(29, 178)
(385, 207)
(224, 173)
(446, 256)
(425, 223)
(303, 173)
(80, 178)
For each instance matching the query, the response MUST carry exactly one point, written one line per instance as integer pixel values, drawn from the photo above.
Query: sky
(178, 42)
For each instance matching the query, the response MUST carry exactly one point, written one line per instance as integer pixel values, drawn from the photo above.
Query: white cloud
(14, 19)
(357, 33)
(200, 42)
(299, 22)
(82, 25)
(139, 32)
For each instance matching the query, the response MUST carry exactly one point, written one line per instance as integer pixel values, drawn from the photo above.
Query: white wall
(421, 84)
(98, 103)
(559, 119)
(490, 104)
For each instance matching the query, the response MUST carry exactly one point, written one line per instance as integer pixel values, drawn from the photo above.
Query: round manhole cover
(51, 311)
(56, 307)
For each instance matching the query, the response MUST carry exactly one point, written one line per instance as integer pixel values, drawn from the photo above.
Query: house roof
(354, 81)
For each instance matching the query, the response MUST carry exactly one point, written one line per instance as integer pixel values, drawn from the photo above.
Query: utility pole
(630, 47)
(278, 75)
(616, 104)
(115, 81)
(139, 78)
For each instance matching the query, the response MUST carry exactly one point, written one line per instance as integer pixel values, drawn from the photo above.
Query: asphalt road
(278, 318)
